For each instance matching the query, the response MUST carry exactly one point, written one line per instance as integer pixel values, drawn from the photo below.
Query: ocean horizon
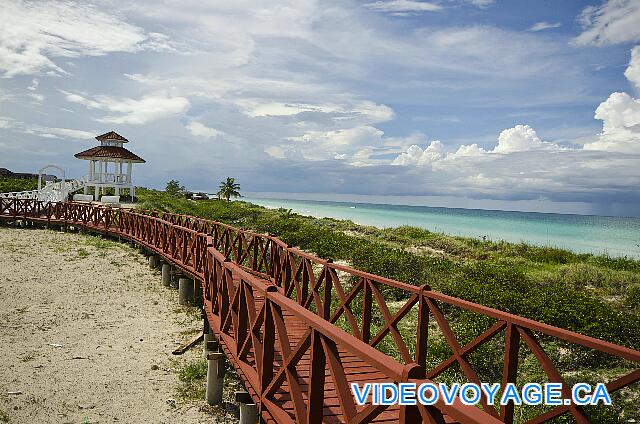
(600, 235)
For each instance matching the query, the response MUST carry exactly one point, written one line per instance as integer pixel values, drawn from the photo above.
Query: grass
(4, 417)
(29, 357)
(100, 242)
(82, 253)
(193, 376)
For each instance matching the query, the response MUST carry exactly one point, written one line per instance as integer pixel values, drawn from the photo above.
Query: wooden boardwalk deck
(357, 370)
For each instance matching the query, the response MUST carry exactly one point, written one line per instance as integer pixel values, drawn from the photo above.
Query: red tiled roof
(112, 135)
(109, 152)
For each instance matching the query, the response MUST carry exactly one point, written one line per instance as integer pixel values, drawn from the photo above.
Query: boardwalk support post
(166, 274)
(153, 261)
(248, 409)
(185, 291)
(215, 377)
(208, 337)
(197, 294)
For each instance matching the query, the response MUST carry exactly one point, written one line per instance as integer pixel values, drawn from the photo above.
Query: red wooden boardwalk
(299, 329)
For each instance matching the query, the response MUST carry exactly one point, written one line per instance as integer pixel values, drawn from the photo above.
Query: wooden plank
(188, 344)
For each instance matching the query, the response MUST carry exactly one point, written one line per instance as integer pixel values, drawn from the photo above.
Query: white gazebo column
(104, 176)
(132, 190)
(116, 177)
(96, 179)
(85, 189)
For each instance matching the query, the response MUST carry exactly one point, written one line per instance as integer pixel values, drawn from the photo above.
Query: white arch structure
(52, 192)
(47, 167)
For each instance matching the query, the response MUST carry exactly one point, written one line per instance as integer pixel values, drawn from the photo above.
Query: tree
(229, 189)
(174, 188)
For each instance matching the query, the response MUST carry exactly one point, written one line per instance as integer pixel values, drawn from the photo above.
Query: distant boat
(352, 207)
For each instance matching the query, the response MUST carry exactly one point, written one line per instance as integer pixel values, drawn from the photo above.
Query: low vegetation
(8, 185)
(592, 295)
(193, 376)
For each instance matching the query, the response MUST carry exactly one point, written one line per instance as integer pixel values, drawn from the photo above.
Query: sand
(86, 332)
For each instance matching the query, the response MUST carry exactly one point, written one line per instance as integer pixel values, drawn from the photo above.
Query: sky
(512, 104)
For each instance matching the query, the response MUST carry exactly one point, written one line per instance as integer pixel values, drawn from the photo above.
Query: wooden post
(215, 377)
(248, 409)
(166, 275)
(185, 291)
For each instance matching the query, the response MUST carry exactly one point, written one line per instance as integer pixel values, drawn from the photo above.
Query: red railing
(253, 283)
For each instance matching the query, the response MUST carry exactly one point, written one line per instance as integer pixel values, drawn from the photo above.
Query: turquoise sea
(614, 236)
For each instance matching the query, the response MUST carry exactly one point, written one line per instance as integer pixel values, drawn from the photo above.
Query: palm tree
(229, 189)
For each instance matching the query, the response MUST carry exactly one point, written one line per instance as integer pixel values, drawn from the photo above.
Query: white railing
(108, 178)
(51, 192)
(31, 194)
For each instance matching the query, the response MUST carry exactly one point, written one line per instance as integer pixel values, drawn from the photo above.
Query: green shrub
(632, 298)
(557, 304)
(8, 185)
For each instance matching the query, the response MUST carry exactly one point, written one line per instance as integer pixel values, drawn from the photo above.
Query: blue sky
(475, 103)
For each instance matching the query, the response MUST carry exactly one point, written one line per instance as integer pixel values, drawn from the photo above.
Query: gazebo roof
(109, 152)
(112, 135)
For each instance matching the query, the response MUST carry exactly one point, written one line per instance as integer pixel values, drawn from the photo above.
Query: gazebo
(110, 151)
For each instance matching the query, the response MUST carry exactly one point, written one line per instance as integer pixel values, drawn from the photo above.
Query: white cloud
(6, 122)
(403, 6)
(469, 151)
(361, 145)
(42, 131)
(38, 98)
(517, 139)
(416, 156)
(486, 51)
(633, 70)
(521, 138)
(615, 21)
(522, 163)
(367, 110)
(540, 26)
(33, 34)
(338, 144)
(133, 111)
(34, 84)
(620, 115)
(200, 130)
(49, 132)
(620, 110)
(481, 3)
(552, 172)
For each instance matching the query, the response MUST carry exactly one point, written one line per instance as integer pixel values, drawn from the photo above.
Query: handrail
(566, 335)
(318, 293)
(292, 270)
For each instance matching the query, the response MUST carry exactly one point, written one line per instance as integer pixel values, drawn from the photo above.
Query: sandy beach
(87, 331)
